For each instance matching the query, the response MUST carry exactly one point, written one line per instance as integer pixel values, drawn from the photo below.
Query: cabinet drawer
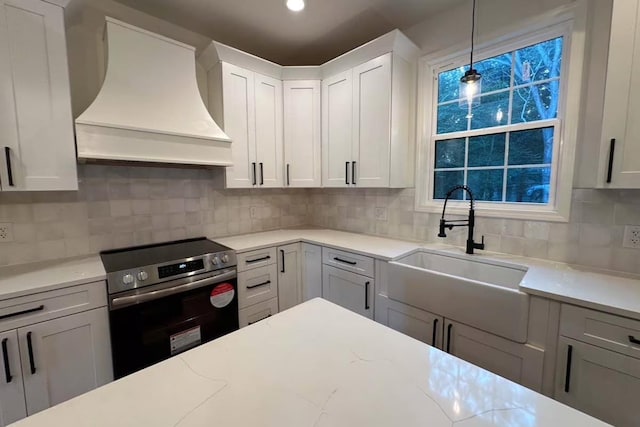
(257, 285)
(601, 329)
(30, 309)
(255, 259)
(348, 261)
(255, 313)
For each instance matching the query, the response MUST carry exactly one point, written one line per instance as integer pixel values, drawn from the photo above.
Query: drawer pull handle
(366, 296)
(19, 313)
(259, 320)
(32, 362)
(435, 332)
(282, 254)
(344, 261)
(251, 261)
(449, 337)
(567, 375)
(5, 357)
(268, 282)
(634, 340)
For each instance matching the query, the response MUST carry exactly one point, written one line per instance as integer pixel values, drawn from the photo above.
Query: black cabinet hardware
(346, 173)
(449, 337)
(344, 261)
(261, 174)
(366, 296)
(353, 173)
(7, 156)
(32, 362)
(251, 261)
(260, 320)
(567, 374)
(634, 340)
(268, 282)
(435, 332)
(5, 358)
(255, 179)
(282, 254)
(612, 149)
(288, 180)
(18, 313)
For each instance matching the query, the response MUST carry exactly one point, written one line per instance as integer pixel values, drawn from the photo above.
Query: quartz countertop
(316, 364)
(26, 279)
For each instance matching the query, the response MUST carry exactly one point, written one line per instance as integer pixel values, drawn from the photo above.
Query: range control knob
(143, 275)
(215, 260)
(127, 279)
(225, 258)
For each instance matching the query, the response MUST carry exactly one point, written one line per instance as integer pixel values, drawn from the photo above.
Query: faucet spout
(469, 222)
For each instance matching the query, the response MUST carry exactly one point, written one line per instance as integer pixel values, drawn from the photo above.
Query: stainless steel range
(167, 298)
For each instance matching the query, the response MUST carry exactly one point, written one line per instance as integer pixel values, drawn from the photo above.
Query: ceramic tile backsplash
(119, 206)
(593, 237)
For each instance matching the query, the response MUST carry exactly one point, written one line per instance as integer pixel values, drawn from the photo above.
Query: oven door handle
(119, 302)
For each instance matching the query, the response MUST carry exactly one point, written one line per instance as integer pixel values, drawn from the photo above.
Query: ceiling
(266, 28)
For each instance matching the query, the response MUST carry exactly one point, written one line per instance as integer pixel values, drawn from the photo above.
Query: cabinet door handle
(259, 320)
(288, 178)
(18, 313)
(346, 173)
(612, 150)
(264, 258)
(7, 156)
(353, 173)
(449, 337)
(255, 179)
(567, 374)
(268, 282)
(5, 358)
(344, 261)
(634, 340)
(282, 255)
(435, 333)
(32, 362)
(261, 174)
(366, 296)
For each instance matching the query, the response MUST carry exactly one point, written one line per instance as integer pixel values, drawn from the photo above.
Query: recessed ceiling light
(295, 5)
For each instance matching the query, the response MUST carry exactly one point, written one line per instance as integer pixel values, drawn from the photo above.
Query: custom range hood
(149, 108)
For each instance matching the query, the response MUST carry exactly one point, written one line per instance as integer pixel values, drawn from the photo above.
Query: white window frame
(568, 22)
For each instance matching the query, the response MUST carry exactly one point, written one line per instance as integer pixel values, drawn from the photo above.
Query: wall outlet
(380, 214)
(255, 213)
(6, 232)
(631, 237)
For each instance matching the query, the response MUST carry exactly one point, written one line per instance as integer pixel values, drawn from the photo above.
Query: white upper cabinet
(619, 163)
(302, 149)
(368, 125)
(36, 123)
(250, 112)
(337, 130)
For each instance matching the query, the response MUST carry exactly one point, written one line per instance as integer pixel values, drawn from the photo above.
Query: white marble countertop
(316, 364)
(598, 290)
(26, 279)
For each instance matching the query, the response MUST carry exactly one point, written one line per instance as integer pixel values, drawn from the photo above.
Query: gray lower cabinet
(12, 404)
(349, 290)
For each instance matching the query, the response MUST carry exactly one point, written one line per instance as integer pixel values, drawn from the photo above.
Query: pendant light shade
(471, 82)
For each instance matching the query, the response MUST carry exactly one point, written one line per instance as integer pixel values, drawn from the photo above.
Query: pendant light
(295, 5)
(471, 82)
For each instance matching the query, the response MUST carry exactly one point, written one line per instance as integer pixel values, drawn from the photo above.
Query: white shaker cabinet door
(411, 321)
(302, 145)
(12, 404)
(239, 124)
(311, 271)
(268, 131)
(289, 276)
(600, 382)
(337, 130)
(349, 290)
(65, 357)
(372, 122)
(36, 123)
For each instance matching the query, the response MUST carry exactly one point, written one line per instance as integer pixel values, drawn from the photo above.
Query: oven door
(150, 326)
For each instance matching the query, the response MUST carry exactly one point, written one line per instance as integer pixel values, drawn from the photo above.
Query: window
(509, 141)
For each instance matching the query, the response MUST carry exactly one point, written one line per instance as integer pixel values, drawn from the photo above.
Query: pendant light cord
(473, 31)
